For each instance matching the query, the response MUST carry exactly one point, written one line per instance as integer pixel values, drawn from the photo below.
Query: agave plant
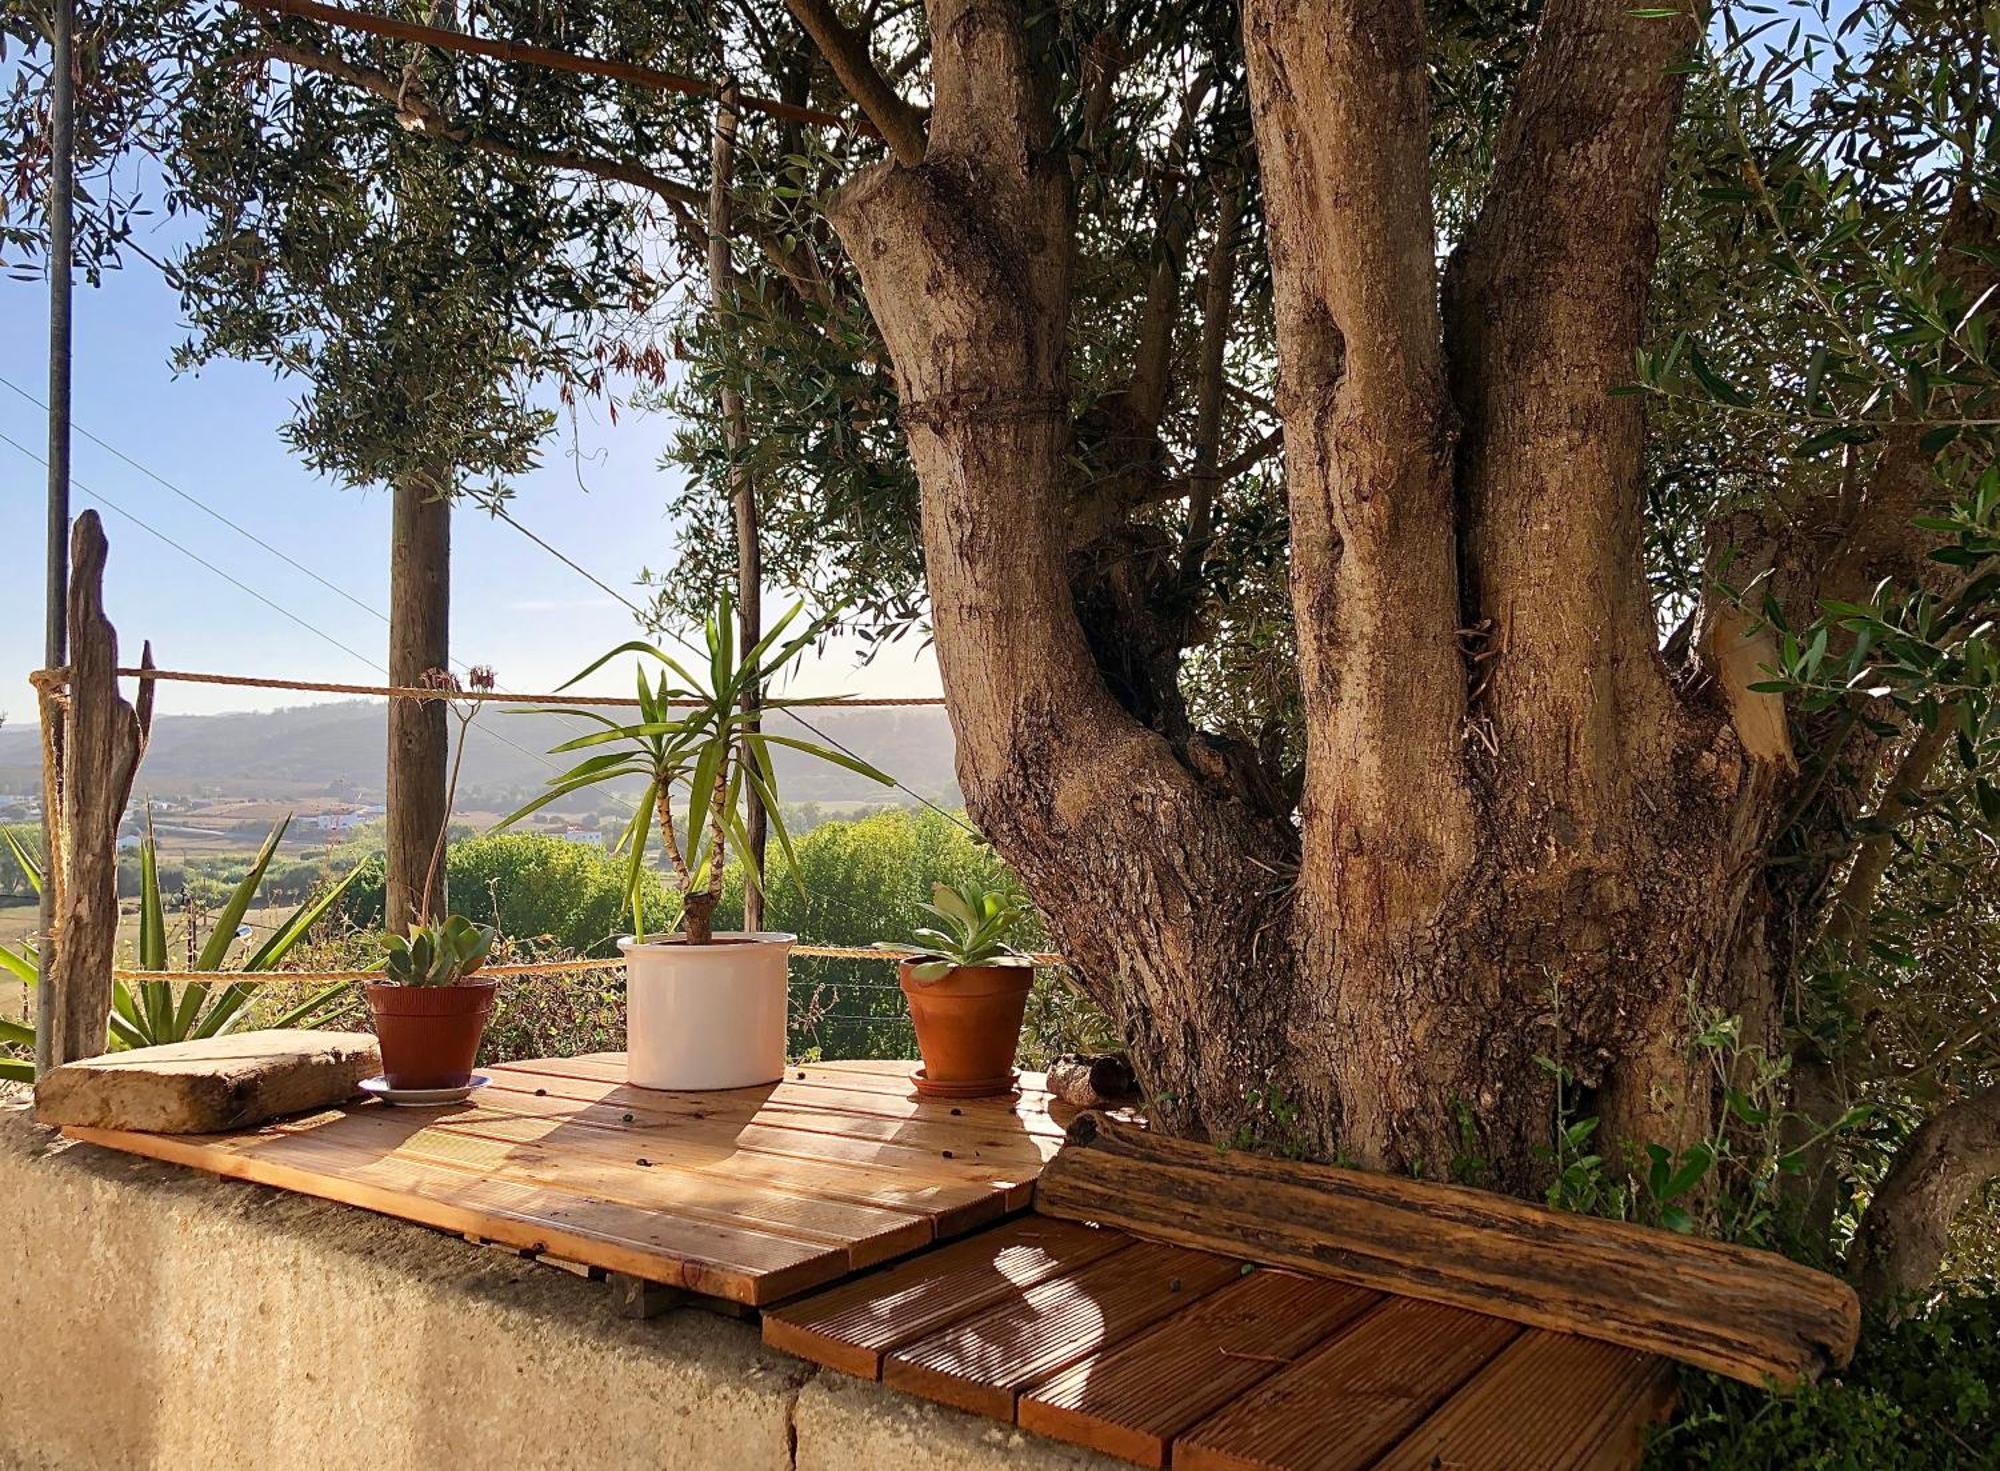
(694, 736)
(21, 965)
(974, 918)
(148, 1013)
(436, 954)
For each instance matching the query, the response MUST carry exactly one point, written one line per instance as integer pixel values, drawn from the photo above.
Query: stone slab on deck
(209, 1086)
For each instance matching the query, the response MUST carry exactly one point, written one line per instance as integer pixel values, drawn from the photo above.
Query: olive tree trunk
(1518, 839)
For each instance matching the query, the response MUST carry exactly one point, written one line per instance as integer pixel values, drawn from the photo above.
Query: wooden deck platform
(752, 1195)
(1166, 1355)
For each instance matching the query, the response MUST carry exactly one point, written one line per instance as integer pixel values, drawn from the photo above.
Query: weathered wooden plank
(743, 1266)
(851, 1327)
(983, 1362)
(206, 1086)
(1549, 1400)
(1748, 1314)
(1346, 1403)
(1131, 1401)
(602, 1170)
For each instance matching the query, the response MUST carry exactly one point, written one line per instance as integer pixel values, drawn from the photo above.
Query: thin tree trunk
(742, 488)
(419, 735)
(1907, 1228)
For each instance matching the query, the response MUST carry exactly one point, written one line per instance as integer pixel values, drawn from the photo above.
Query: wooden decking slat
(852, 1326)
(609, 1170)
(983, 1362)
(719, 1261)
(887, 1076)
(1353, 1399)
(994, 1135)
(956, 1205)
(1131, 1401)
(1549, 1400)
(703, 1140)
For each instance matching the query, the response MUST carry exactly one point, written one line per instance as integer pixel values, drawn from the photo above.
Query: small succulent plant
(974, 918)
(436, 954)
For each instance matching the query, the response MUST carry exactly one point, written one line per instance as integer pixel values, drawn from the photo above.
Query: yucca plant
(975, 917)
(436, 954)
(694, 737)
(148, 1013)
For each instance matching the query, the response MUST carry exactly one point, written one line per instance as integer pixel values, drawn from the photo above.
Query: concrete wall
(156, 1317)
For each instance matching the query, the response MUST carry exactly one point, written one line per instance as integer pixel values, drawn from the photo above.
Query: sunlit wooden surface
(752, 1195)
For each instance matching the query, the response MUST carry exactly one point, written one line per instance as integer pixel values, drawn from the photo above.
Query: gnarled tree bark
(1517, 836)
(1907, 1227)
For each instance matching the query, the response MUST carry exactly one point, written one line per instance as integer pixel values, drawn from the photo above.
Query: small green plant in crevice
(1270, 1125)
(1727, 1184)
(1468, 1165)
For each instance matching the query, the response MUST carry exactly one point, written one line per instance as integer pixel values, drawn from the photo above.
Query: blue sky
(599, 498)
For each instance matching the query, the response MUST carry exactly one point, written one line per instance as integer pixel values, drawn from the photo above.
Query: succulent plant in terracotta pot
(430, 1009)
(968, 990)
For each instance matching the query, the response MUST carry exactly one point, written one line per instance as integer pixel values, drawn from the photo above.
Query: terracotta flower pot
(968, 1027)
(429, 1034)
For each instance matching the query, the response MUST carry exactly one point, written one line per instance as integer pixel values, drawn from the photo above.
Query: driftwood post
(103, 739)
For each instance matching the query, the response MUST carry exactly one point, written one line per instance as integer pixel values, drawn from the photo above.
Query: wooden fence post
(419, 730)
(103, 739)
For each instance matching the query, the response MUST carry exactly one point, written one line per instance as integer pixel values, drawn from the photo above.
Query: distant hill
(336, 750)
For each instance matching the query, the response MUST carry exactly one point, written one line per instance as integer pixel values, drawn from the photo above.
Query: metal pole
(55, 650)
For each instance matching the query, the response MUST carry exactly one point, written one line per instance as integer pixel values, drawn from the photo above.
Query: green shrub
(532, 887)
(1924, 1395)
(556, 1016)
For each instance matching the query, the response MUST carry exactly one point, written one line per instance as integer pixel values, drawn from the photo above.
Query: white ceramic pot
(706, 1016)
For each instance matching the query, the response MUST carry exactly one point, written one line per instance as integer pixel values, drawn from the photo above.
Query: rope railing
(54, 682)
(50, 685)
(513, 969)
